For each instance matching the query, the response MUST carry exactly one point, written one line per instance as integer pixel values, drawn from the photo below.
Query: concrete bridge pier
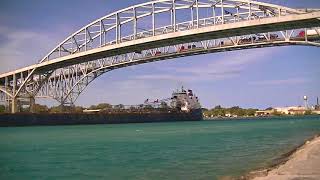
(17, 104)
(7, 106)
(32, 103)
(14, 105)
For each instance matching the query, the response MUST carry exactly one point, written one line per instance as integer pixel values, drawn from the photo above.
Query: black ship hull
(7, 120)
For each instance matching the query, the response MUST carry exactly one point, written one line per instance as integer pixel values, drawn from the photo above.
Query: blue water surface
(178, 150)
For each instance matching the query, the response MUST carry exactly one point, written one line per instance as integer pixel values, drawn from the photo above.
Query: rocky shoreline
(300, 163)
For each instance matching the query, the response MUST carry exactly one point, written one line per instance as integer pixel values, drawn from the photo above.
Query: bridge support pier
(32, 103)
(7, 106)
(14, 105)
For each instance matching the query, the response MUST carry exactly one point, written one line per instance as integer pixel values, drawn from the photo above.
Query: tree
(276, 113)
(251, 112)
(205, 109)
(38, 108)
(104, 106)
(62, 109)
(2, 109)
(235, 110)
(308, 112)
(119, 106)
(92, 107)
(269, 108)
(78, 109)
(56, 109)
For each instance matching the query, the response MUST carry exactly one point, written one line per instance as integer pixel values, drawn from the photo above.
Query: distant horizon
(301, 105)
(255, 78)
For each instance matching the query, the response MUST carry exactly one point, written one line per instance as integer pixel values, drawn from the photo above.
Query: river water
(178, 150)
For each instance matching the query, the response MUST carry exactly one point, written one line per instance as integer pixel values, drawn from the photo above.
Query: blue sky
(252, 78)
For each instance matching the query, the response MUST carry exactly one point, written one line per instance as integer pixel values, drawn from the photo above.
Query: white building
(291, 110)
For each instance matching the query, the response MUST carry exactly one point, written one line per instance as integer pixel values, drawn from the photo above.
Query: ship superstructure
(185, 100)
(181, 100)
(182, 106)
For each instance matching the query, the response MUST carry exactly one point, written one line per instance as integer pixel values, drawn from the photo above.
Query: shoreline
(255, 117)
(279, 162)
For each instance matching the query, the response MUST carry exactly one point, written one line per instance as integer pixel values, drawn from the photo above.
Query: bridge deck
(203, 33)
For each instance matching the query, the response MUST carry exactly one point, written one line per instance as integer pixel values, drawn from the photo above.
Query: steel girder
(66, 84)
(132, 24)
(124, 25)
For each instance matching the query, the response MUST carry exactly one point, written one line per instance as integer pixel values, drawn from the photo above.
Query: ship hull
(7, 120)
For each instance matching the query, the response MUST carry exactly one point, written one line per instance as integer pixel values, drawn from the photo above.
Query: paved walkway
(302, 165)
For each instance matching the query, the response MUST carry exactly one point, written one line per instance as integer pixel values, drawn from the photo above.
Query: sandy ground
(304, 164)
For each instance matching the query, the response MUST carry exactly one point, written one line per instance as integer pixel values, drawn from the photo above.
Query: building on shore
(265, 112)
(316, 112)
(292, 110)
(317, 106)
(92, 110)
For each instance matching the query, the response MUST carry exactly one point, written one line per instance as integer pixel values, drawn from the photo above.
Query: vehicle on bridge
(310, 33)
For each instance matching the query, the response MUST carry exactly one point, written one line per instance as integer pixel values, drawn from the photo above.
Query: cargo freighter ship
(182, 106)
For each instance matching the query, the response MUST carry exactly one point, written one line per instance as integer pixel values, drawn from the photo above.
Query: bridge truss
(153, 31)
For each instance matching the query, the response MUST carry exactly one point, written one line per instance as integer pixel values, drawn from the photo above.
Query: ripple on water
(184, 150)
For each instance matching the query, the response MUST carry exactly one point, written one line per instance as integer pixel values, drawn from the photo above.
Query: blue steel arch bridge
(153, 31)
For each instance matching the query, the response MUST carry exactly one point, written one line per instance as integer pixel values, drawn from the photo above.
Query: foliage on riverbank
(38, 108)
(234, 111)
(2, 108)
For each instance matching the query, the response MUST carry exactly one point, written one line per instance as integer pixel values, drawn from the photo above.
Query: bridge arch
(77, 86)
(5, 93)
(121, 39)
(97, 34)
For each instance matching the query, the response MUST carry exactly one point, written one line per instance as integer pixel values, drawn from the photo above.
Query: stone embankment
(304, 164)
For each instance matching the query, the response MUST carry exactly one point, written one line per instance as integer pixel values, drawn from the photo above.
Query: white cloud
(289, 81)
(20, 48)
(168, 77)
(165, 77)
(230, 66)
(128, 91)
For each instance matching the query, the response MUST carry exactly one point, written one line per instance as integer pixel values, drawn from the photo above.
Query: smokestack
(318, 101)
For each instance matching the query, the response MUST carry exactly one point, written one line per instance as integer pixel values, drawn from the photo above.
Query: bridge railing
(93, 69)
(96, 34)
(184, 26)
(278, 36)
